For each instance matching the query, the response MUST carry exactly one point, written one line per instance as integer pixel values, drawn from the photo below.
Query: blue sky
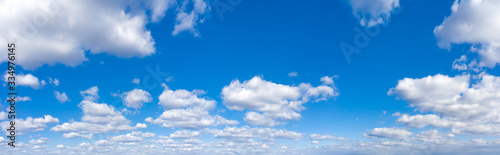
(274, 59)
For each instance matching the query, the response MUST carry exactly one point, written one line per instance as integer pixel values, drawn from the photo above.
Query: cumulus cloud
(248, 134)
(136, 81)
(97, 118)
(90, 94)
(136, 98)
(38, 141)
(27, 80)
(61, 97)
(373, 12)
(473, 22)
(112, 27)
(55, 82)
(460, 103)
(188, 20)
(3, 115)
(388, 133)
(30, 124)
(293, 74)
(184, 134)
(133, 135)
(76, 134)
(185, 109)
(23, 98)
(316, 137)
(159, 7)
(275, 102)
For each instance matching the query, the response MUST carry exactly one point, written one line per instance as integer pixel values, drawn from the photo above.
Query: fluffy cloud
(136, 81)
(30, 124)
(55, 82)
(158, 8)
(275, 102)
(3, 115)
(184, 134)
(373, 12)
(136, 98)
(76, 134)
(27, 80)
(473, 22)
(132, 137)
(97, 118)
(457, 104)
(38, 141)
(247, 134)
(113, 27)
(188, 20)
(325, 137)
(22, 99)
(293, 74)
(171, 99)
(90, 94)
(185, 109)
(388, 133)
(61, 97)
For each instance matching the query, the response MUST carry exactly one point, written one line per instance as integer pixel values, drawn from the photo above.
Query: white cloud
(22, 99)
(136, 81)
(190, 118)
(76, 134)
(55, 37)
(247, 134)
(188, 20)
(90, 94)
(473, 22)
(113, 27)
(275, 102)
(126, 138)
(61, 97)
(182, 98)
(55, 82)
(159, 7)
(38, 141)
(97, 118)
(185, 109)
(27, 80)
(136, 98)
(388, 133)
(185, 134)
(456, 103)
(30, 124)
(326, 137)
(293, 74)
(3, 115)
(373, 12)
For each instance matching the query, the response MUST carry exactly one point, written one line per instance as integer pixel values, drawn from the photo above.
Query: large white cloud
(97, 118)
(63, 31)
(30, 124)
(461, 103)
(275, 102)
(473, 22)
(185, 109)
(373, 12)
